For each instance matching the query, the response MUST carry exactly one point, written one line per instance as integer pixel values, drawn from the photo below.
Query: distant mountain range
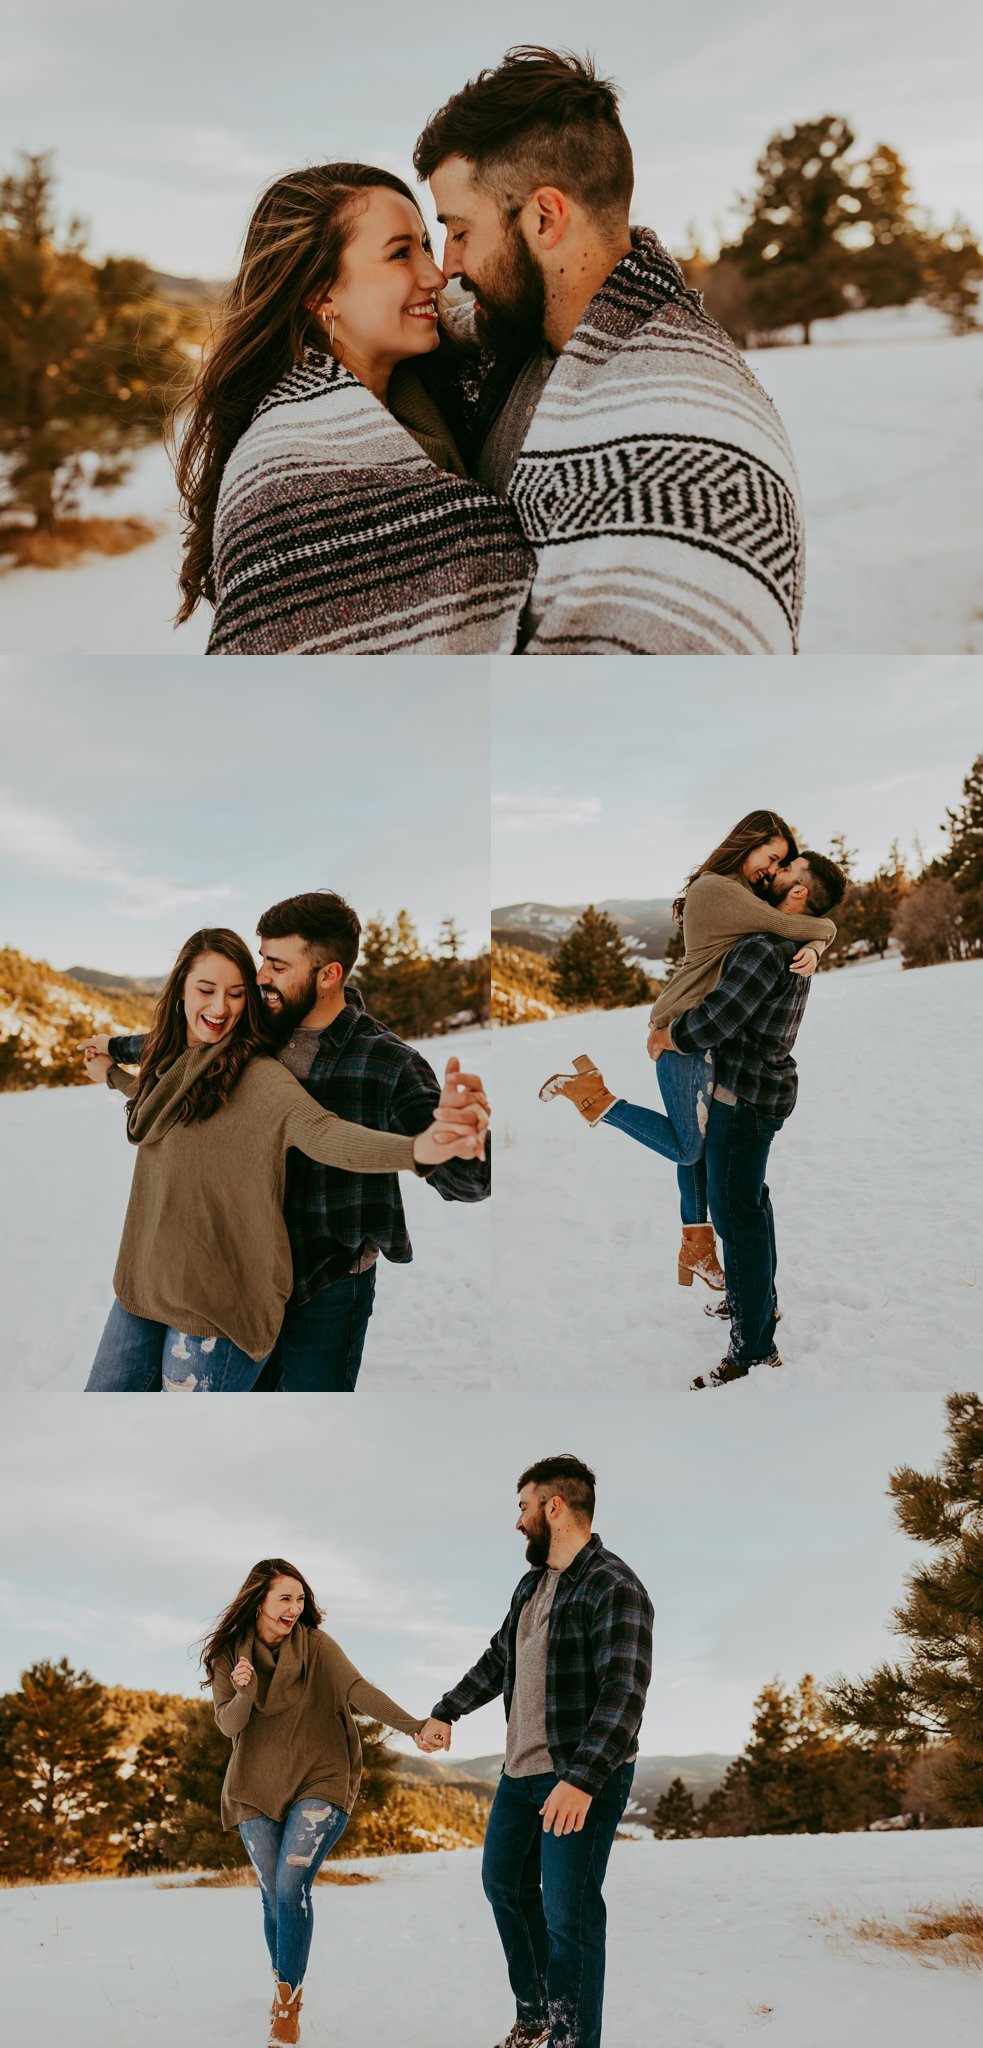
(653, 1775)
(645, 923)
(116, 984)
(186, 291)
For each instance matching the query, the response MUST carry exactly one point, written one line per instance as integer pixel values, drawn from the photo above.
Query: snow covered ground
(66, 1177)
(876, 1182)
(709, 1944)
(884, 413)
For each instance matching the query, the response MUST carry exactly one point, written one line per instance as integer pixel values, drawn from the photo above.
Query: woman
(717, 907)
(204, 1266)
(286, 1695)
(327, 508)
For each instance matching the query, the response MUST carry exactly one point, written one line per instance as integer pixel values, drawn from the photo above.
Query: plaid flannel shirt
(367, 1075)
(598, 1666)
(751, 1019)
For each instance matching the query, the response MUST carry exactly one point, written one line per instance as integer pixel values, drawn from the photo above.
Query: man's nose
(449, 265)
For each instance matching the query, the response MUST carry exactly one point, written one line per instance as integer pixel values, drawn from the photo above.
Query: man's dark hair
(826, 882)
(542, 117)
(568, 1477)
(326, 923)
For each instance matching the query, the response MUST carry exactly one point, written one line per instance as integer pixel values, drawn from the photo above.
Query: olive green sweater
(719, 910)
(205, 1247)
(292, 1732)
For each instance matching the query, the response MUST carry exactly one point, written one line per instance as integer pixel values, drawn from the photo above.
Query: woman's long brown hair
(168, 1035)
(728, 858)
(291, 257)
(241, 1612)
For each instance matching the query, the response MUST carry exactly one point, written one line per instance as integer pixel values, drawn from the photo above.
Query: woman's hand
(242, 1673)
(447, 1140)
(806, 961)
(97, 1064)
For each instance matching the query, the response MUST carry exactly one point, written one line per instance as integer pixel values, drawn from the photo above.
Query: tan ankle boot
(698, 1254)
(286, 2016)
(584, 1088)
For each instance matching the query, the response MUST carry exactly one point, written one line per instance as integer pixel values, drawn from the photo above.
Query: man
(573, 1659)
(751, 1019)
(648, 469)
(340, 1222)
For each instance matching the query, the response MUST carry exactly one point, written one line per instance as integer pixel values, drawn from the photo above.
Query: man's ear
(546, 216)
(799, 892)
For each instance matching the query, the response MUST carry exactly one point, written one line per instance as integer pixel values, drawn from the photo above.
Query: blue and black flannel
(367, 1075)
(598, 1666)
(751, 1020)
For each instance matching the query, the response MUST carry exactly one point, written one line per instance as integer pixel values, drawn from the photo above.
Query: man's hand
(566, 1810)
(806, 961)
(659, 1041)
(99, 1043)
(433, 1735)
(97, 1064)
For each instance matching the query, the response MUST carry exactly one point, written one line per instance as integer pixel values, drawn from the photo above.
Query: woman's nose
(435, 279)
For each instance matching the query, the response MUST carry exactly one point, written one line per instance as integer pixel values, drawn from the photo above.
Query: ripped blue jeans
(686, 1086)
(286, 1856)
(136, 1356)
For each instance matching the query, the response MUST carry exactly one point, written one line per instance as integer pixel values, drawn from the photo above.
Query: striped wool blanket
(656, 484)
(334, 533)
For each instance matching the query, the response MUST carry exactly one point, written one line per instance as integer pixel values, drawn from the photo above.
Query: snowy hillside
(67, 1170)
(884, 413)
(709, 1943)
(876, 1181)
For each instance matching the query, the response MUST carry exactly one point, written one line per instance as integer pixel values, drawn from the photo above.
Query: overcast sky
(141, 799)
(762, 1532)
(620, 792)
(167, 122)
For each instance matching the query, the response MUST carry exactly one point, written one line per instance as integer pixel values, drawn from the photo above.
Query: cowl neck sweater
(205, 1248)
(292, 1727)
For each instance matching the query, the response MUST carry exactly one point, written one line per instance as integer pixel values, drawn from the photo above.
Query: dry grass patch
(953, 1934)
(221, 1880)
(26, 548)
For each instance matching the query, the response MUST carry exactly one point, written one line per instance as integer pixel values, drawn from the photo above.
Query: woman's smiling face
(763, 861)
(214, 997)
(384, 297)
(281, 1610)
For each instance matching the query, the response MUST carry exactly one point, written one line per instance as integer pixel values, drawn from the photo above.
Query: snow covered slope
(884, 413)
(709, 1944)
(66, 1177)
(876, 1181)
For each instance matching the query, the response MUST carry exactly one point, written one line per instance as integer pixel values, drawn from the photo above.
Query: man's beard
(776, 888)
(284, 1016)
(538, 1543)
(510, 303)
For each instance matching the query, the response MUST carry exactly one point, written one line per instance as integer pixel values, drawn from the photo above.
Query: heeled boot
(585, 1088)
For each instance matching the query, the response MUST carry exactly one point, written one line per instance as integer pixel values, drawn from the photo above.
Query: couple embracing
(576, 460)
(572, 1662)
(755, 921)
(271, 1117)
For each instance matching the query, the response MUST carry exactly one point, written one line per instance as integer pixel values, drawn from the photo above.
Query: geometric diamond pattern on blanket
(706, 493)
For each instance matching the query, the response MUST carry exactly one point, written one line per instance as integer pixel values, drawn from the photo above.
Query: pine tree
(61, 1796)
(88, 354)
(795, 249)
(962, 862)
(935, 1695)
(674, 1819)
(888, 267)
(591, 965)
(192, 1835)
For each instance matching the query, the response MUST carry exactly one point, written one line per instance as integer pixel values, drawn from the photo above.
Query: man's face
(287, 982)
(533, 1525)
(791, 877)
(490, 257)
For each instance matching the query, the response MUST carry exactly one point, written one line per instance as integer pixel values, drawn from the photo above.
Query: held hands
(806, 961)
(433, 1735)
(96, 1057)
(460, 1120)
(566, 1810)
(242, 1673)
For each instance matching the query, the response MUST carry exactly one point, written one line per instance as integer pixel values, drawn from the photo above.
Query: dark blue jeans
(136, 1356)
(286, 1856)
(738, 1143)
(319, 1349)
(545, 1893)
(686, 1086)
